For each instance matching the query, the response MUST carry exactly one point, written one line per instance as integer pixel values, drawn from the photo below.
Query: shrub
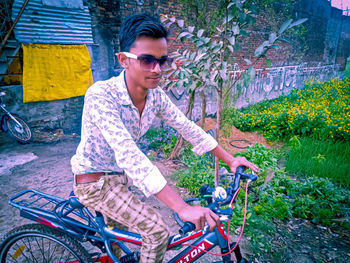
(321, 109)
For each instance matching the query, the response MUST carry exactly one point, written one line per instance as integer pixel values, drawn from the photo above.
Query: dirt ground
(236, 138)
(44, 165)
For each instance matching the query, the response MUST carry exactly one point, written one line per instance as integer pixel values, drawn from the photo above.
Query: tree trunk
(204, 107)
(179, 142)
(217, 135)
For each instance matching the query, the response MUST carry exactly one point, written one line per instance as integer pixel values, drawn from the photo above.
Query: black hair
(138, 25)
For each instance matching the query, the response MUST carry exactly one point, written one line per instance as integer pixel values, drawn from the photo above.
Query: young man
(117, 112)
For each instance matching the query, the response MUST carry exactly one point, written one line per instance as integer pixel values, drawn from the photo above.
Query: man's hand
(233, 162)
(241, 161)
(195, 214)
(199, 215)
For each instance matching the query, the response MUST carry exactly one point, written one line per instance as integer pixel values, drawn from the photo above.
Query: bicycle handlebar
(206, 190)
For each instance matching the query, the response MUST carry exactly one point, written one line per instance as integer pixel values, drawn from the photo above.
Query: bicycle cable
(228, 227)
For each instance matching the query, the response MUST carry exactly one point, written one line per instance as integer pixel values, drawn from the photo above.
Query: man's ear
(123, 60)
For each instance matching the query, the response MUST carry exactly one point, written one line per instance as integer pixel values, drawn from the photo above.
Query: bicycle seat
(73, 201)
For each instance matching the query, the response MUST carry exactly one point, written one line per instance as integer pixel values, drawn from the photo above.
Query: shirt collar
(122, 92)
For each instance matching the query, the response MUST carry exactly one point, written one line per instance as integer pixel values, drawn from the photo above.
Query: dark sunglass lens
(147, 62)
(165, 63)
(162, 61)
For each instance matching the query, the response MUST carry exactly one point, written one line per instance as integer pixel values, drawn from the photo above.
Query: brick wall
(326, 42)
(322, 42)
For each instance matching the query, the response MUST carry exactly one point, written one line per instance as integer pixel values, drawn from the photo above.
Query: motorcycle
(13, 125)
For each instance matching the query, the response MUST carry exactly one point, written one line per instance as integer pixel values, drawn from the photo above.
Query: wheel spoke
(27, 246)
(40, 248)
(38, 244)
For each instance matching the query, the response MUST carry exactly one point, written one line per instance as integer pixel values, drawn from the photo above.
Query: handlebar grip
(240, 170)
(251, 177)
(187, 227)
(243, 175)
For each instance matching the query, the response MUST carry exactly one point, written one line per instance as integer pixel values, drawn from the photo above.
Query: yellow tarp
(54, 72)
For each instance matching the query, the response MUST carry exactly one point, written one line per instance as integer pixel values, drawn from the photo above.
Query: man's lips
(154, 77)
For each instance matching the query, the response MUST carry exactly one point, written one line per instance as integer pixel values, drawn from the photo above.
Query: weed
(326, 158)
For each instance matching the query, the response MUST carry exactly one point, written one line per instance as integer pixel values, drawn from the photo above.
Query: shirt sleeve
(102, 113)
(201, 141)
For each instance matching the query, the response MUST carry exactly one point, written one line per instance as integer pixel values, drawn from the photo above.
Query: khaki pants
(110, 196)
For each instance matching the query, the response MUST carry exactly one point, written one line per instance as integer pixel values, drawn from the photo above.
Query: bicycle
(65, 224)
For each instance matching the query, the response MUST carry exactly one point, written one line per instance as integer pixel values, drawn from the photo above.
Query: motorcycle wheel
(21, 133)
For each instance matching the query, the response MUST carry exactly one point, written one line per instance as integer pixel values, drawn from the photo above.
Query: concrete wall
(46, 115)
(279, 80)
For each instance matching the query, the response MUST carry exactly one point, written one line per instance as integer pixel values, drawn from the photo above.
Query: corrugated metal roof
(51, 24)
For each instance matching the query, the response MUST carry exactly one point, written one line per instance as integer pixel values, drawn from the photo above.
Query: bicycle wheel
(22, 133)
(41, 244)
(192, 201)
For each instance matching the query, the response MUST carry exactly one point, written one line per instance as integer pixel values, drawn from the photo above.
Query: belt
(92, 177)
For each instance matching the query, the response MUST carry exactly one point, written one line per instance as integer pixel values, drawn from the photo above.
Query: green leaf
(235, 29)
(275, 46)
(198, 84)
(249, 215)
(285, 25)
(268, 62)
(186, 63)
(244, 33)
(200, 32)
(272, 38)
(285, 40)
(247, 61)
(216, 48)
(232, 40)
(190, 29)
(206, 40)
(230, 4)
(252, 73)
(184, 34)
(242, 17)
(227, 19)
(193, 55)
(298, 22)
(199, 56)
(259, 51)
(266, 43)
(180, 23)
(167, 25)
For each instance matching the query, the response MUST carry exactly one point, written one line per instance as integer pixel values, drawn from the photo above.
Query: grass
(326, 159)
(347, 69)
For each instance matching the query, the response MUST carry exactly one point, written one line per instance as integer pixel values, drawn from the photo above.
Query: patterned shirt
(111, 126)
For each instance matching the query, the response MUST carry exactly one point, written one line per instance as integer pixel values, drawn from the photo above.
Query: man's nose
(157, 68)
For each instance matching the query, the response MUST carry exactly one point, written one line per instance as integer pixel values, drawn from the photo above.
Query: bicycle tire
(22, 134)
(22, 244)
(191, 201)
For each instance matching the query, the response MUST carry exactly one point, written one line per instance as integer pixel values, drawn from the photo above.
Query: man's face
(146, 46)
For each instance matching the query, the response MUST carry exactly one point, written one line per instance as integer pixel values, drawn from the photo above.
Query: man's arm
(199, 215)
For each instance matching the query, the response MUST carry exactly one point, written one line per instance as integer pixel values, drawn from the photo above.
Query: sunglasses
(149, 62)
